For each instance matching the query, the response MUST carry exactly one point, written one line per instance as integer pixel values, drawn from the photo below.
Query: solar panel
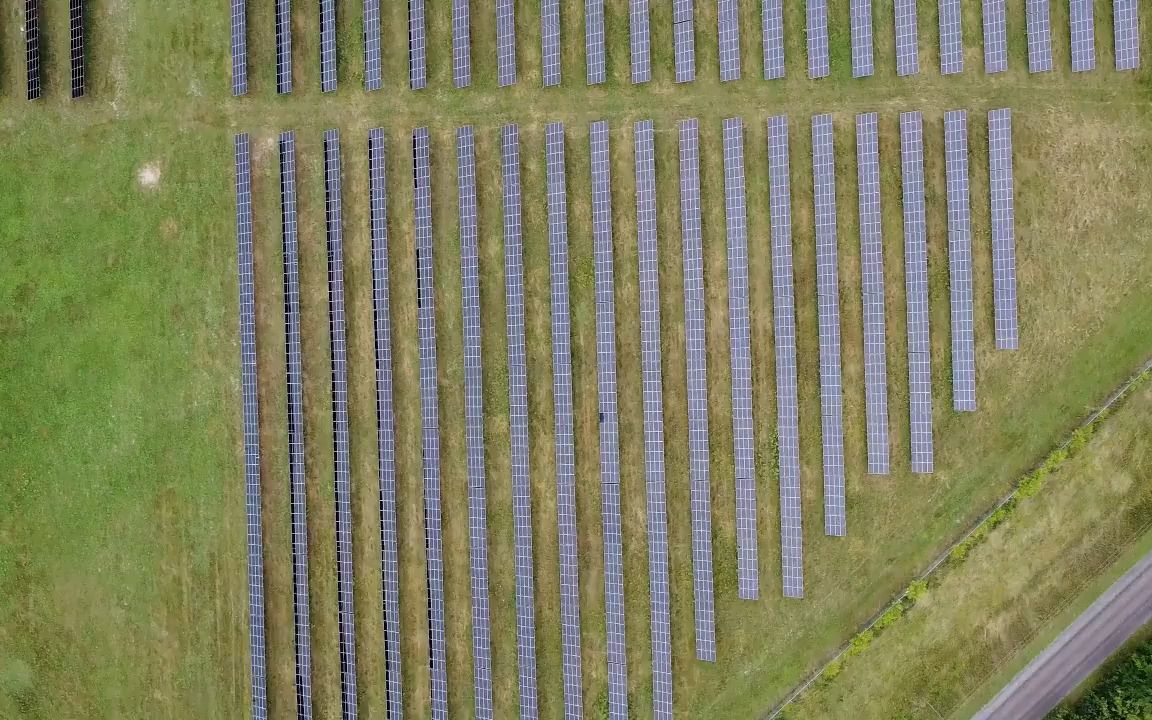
(609, 428)
(341, 459)
(1003, 228)
(76, 50)
(951, 38)
(649, 269)
(872, 290)
(787, 403)
(862, 60)
(743, 436)
(684, 40)
(696, 356)
(430, 421)
(294, 373)
(32, 47)
(817, 30)
(518, 422)
(385, 423)
(728, 34)
(461, 44)
(328, 45)
(550, 41)
(916, 291)
(283, 46)
(828, 301)
(960, 260)
(506, 42)
(995, 37)
(1126, 30)
(239, 47)
(417, 46)
(251, 418)
(772, 19)
(594, 40)
(907, 38)
(1039, 36)
(1082, 24)
(372, 69)
(641, 41)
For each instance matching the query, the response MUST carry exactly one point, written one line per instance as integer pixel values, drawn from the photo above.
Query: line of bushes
(1123, 693)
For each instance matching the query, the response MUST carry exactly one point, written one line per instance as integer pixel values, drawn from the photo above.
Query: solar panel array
(787, 402)
(817, 29)
(951, 38)
(328, 45)
(461, 44)
(872, 290)
(430, 422)
(828, 301)
(372, 71)
(32, 47)
(907, 38)
(916, 291)
(594, 40)
(684, 40)
(772, 19)
(649, 272)
(550, 41)
(518, 422)
(1082, 24)
(506, 42)
(417, 46)
(294, 373)
(1003, 228)
(960, 260)
(862, 59)
(995, 37)
(474, 420)
(251, 404)
(385, 423)
(239, 47)
(696, 356)
(728, 33)
(76, 48)
(341, 459)
(283, 46)
(1039, 31)
(743, 437)
(1126, 31)
(640, 40)
(609, 419)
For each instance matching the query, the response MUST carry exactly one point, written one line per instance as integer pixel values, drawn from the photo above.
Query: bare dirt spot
(149, 176)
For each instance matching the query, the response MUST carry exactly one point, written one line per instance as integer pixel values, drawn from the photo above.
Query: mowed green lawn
(122, 570)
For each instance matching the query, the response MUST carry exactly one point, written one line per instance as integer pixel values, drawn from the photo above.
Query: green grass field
(122, 556)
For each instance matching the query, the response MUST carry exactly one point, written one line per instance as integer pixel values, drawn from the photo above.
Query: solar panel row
(474, 420)
(32, 47)
(907, 38)
(239, 47)
(828, 302)
(518, 422)
(609, 428)
(960, 260)
(506, 42)
(373, 79)
(1082, 25)
(417, 46)
(728, 34)
(817, 31)
(327, 45)
(76, 47)
(951, 38)
(684, 40)
(461, 44)
(862, 59)
(1039, 32)
(787, 403)
(251, 419)
(430, 422)
(550, 41)
(649, 274)
(916, 291)
(294, 373)
(696, 357)
(743, 438)
(283, 46)
(594, 40)
(872, 290)
(342, 462)
(1003, 228)
(772, 19)
(640, 41)
(995, 36)
(385, 423)
(1126, 31)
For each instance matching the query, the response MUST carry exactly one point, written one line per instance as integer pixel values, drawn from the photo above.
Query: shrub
(893, 614)
(917, 590)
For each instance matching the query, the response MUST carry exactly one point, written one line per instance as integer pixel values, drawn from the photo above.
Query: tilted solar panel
(995, 36)
(32, 47)
(1082, 25)
(76, 49)
(728, 38)
(283, 46)
(772, 19)
(817, 31)
(684, 40)
(907, 38)
(328, 45)
(506, 42)
(960, 260)
(550, 41)
(239, 46)
(1039, 33)
(951, 38)
(461, 44)
(1002, 198)
(1126, 31)
(417, 46)
(862, 60)
(640, 40)
(594, 40)
(372, 71)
